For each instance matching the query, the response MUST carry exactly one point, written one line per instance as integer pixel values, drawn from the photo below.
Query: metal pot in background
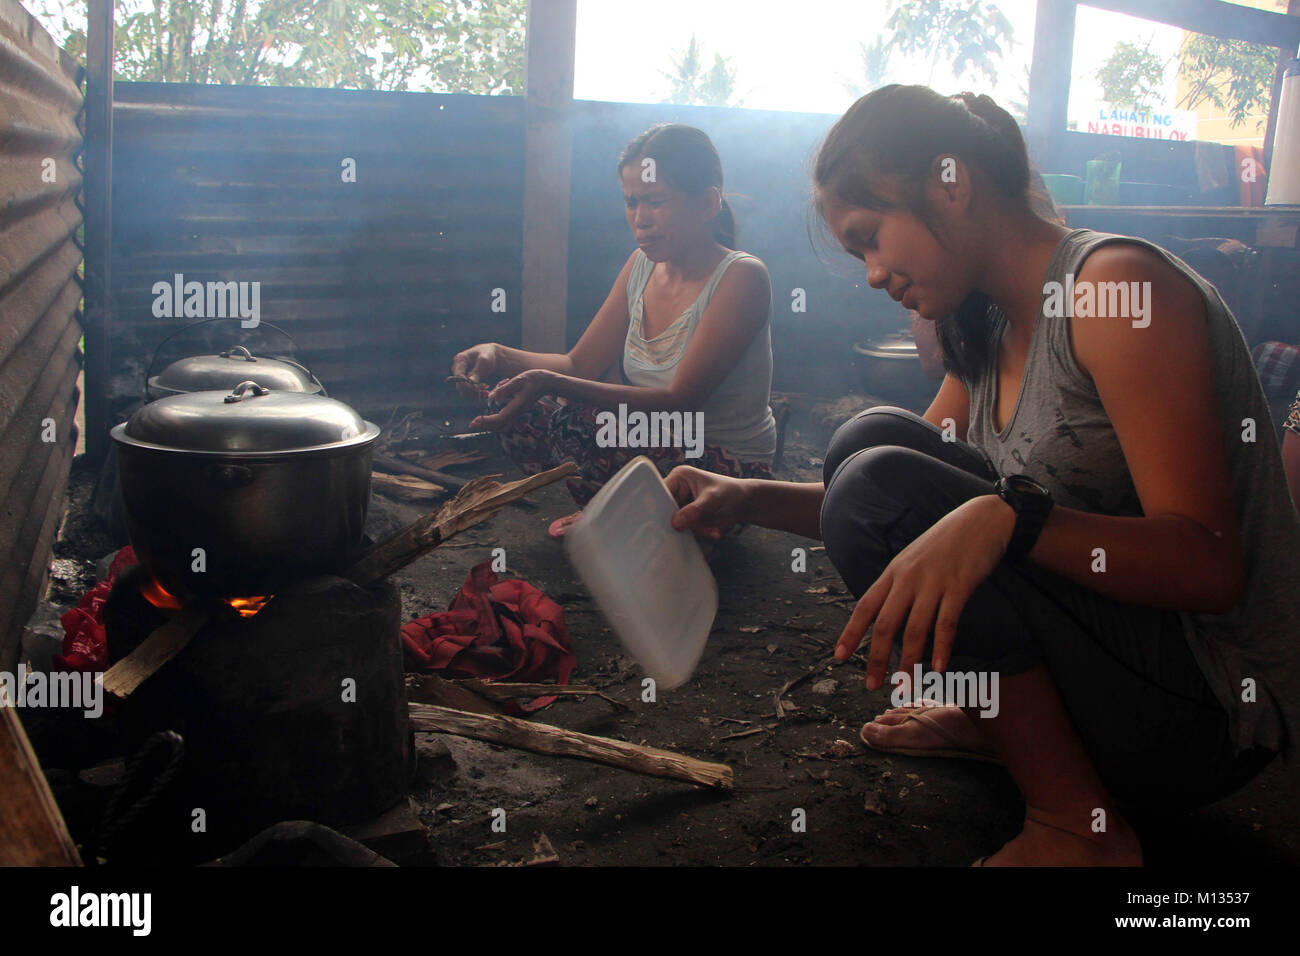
(225, 370)
(205, 371)
(272, 486)
(890, 368)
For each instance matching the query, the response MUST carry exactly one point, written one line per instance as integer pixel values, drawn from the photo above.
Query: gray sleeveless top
(1059, 434)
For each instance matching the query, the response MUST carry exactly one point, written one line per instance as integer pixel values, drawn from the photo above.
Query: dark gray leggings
(1135, 694)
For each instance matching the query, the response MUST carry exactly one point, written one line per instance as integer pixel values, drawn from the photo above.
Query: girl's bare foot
(1067, 840)
(944, 730)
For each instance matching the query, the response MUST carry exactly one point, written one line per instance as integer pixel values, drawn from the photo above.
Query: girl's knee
(856, 513)
(881, 425)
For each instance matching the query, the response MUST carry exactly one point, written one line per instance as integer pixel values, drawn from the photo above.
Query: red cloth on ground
(495, 631)
(85, 646)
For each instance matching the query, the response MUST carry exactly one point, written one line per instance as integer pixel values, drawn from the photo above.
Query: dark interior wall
(40, 296)
(378, 281)
(766, 158)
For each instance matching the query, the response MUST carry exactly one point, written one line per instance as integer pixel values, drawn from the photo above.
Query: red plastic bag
(85, 646)
(495, 630)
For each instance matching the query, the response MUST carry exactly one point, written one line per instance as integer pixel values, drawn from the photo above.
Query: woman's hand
(517, 394)
(710, 503)
(927, 584)
(479, 364)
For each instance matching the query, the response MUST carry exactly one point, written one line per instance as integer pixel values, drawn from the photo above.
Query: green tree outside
(968, 36)
(443, 46)
(1131, 77)
(691, 83)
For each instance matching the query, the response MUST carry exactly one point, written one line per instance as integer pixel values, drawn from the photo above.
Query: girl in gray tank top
(1091, 517)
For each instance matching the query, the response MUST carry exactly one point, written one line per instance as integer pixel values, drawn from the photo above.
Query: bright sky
(786, 56)
(789, 56)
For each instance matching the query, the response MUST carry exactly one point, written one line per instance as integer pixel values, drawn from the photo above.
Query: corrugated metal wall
(39, 307)
(380, 281)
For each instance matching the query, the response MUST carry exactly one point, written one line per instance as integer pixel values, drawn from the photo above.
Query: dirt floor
(774, 626)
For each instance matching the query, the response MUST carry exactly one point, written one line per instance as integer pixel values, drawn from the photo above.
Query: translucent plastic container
(651, 582)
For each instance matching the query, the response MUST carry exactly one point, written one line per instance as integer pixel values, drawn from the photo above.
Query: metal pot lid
(250, 418)
(898, 345)
(203, 373)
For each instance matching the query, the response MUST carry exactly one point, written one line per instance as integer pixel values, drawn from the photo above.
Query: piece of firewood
(479, 500)
(155, 651)
(558, 742)
(32, 831)
(405, 487)
(435, 460)
(432, 689)
(401, 466)
(503, 690)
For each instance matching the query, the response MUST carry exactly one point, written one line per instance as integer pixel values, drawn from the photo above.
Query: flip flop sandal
(560, 526)
(956, 751)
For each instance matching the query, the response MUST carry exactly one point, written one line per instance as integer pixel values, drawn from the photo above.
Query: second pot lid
(250, 418)
(201, 373)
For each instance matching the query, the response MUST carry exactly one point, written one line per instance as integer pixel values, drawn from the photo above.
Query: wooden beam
(556, 741)
(32, 831)
(1049, 83)
(1270, 130)
(97, 162)
(548, 145)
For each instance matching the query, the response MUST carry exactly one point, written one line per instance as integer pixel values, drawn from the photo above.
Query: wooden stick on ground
(795, 682)
(155, 651)
(32, 832)
(501, 690)
(479, 500)
(558, 742)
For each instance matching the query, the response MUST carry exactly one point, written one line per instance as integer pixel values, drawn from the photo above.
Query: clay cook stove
(291, 708)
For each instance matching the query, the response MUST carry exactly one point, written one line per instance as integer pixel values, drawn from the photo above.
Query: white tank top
(736, 414)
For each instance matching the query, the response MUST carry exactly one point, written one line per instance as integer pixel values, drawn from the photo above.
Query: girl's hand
(710, 503)
(517, 393)
(479, 364)
(927, 584)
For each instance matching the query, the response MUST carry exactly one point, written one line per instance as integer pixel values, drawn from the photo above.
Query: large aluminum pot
(235, 494)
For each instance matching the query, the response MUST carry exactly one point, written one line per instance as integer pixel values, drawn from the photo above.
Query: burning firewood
(156, 650)
(479, 500)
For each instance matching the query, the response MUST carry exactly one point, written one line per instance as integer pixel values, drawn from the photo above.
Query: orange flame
(160, 597)
(248, 606)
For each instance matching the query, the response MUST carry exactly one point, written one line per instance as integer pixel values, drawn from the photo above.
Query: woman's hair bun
(986, 108)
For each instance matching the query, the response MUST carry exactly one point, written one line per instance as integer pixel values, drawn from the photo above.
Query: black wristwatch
(1031, 502)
